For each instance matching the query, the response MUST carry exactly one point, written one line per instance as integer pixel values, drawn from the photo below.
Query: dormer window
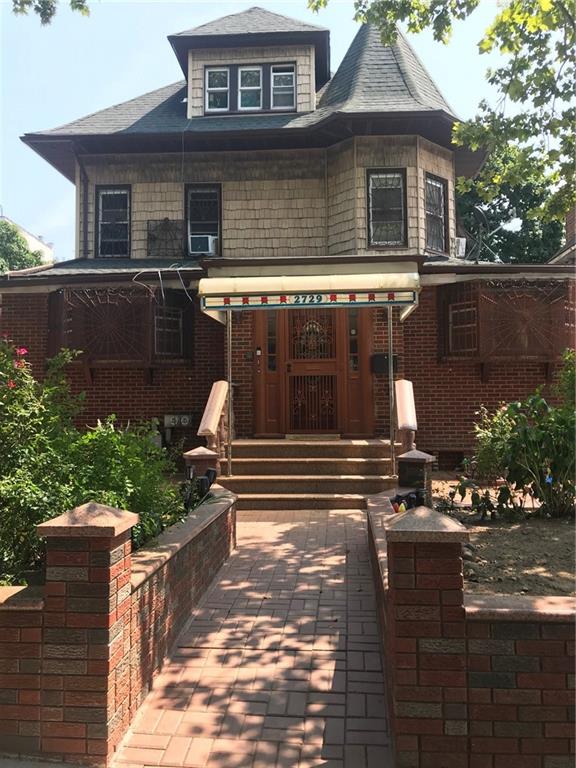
(249, 88)
(217, 89)
(283, 83)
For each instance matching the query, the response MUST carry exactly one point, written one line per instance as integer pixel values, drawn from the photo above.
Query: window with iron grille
(168, 331)
(386, 208)
(462, 328)
(203, 212)
(436, 214)
(113, 221)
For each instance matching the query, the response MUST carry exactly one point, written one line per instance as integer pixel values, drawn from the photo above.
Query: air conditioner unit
(459, 247)
(205, 244)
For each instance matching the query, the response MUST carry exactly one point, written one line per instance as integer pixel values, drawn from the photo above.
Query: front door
(312, 372)
(312, 361)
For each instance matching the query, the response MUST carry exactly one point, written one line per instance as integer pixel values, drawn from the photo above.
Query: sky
(78, 65)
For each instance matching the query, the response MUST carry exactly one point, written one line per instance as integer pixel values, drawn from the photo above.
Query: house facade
(315, 212)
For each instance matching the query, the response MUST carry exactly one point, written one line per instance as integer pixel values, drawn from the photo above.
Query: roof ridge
(259, 8)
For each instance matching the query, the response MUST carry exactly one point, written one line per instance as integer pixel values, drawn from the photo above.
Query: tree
(531, 240)
(14, 252)
(538, 80)
(46, 9)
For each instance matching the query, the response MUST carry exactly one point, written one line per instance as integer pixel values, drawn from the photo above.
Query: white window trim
(249, 88)
(272, 73)
(208, 90)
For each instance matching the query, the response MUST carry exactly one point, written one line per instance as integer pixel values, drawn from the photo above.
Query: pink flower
(11, 384)
(21, 351)
(19, 364)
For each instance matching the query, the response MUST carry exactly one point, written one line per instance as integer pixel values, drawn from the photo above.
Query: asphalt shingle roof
(101, 267)
(371, 78)
(252, 21)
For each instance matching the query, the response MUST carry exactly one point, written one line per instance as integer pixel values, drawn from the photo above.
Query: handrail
(212, 426)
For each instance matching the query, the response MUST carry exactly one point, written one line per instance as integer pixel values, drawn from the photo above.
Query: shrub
(531, 445)
(47, 466)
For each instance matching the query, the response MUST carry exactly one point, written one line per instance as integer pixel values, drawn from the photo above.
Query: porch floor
(280, 664)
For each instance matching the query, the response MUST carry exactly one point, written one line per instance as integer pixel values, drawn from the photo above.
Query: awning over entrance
(285, 291)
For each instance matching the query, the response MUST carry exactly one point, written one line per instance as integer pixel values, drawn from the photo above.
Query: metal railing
(166, 239)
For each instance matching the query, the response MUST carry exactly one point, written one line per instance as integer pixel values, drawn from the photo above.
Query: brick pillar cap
(424, 524)
(89, 520)
(417, 457)
(200, 453)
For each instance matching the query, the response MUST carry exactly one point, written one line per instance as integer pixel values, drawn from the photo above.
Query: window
(386, 208)
(436, 214)
(217, 90)
(250, 88)
(203, 218)
(168, 326)
(113, 221)
(282, 81)
(462, 328)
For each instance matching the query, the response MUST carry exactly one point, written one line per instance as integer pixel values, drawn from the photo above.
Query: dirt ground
(530, 557)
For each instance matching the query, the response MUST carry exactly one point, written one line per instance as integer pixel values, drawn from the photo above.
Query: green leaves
(537, 39)
(14, 251)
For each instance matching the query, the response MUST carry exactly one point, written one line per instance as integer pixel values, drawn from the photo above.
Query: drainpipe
(391, 388)
(230, 395)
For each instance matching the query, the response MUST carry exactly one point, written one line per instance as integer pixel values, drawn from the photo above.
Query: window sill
(252, 112)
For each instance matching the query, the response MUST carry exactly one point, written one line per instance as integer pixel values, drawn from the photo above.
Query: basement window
(217, 89)
(113, 221)
(387, 208)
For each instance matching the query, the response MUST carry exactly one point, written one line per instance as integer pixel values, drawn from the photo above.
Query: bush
(47, 466)
(531, 445)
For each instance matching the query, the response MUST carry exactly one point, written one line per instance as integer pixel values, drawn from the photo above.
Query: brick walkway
(280, 665)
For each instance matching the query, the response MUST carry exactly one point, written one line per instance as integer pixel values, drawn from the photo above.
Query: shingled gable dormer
(253, 62)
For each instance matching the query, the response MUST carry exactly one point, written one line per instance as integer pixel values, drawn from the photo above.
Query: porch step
(310, 466)
(325, 449)
(307, 484)
(291, 501)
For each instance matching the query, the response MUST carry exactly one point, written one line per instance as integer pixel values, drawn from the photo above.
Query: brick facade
(448, 393)
(471, 683)
(77, 661)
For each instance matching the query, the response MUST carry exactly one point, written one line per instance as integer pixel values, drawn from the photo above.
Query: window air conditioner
(459, 246)
(205, 244)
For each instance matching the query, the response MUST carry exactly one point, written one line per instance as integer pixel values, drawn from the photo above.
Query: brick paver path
(280, 664)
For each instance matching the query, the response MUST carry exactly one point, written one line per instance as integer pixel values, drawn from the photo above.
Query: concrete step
(347, 449)
(311, 484)
(310, 466)
(289, 501)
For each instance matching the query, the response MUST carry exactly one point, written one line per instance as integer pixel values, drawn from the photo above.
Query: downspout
(84, 181)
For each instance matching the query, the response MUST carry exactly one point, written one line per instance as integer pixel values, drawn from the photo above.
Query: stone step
(347, 449)
(290, 501)
(311, 484)
(310, 466)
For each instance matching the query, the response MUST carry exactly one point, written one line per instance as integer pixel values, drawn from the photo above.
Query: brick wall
(125, 391)
(472, 682)
(77, 661)
(448, 394)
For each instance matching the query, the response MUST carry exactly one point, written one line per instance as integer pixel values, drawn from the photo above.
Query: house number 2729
(308, 298)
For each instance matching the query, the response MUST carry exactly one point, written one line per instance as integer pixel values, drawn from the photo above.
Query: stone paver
(280, 664)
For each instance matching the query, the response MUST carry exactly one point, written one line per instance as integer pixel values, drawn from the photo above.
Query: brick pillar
(87, 597)
(427, 630)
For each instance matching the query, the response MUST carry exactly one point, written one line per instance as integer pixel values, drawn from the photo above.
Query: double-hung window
(283, 86)
(203, 218)
(113, 221)
(168, 331)
(217, 89)
(436, 214)
(386, 208)
(249, 88)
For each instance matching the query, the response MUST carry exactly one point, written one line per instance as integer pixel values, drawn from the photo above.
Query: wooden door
(312, 372)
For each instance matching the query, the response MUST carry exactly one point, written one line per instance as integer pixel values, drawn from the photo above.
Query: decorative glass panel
(272, 350)
(217, 90)
(353, 351)
(283, 87)
(250, 78)
(218, 78)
